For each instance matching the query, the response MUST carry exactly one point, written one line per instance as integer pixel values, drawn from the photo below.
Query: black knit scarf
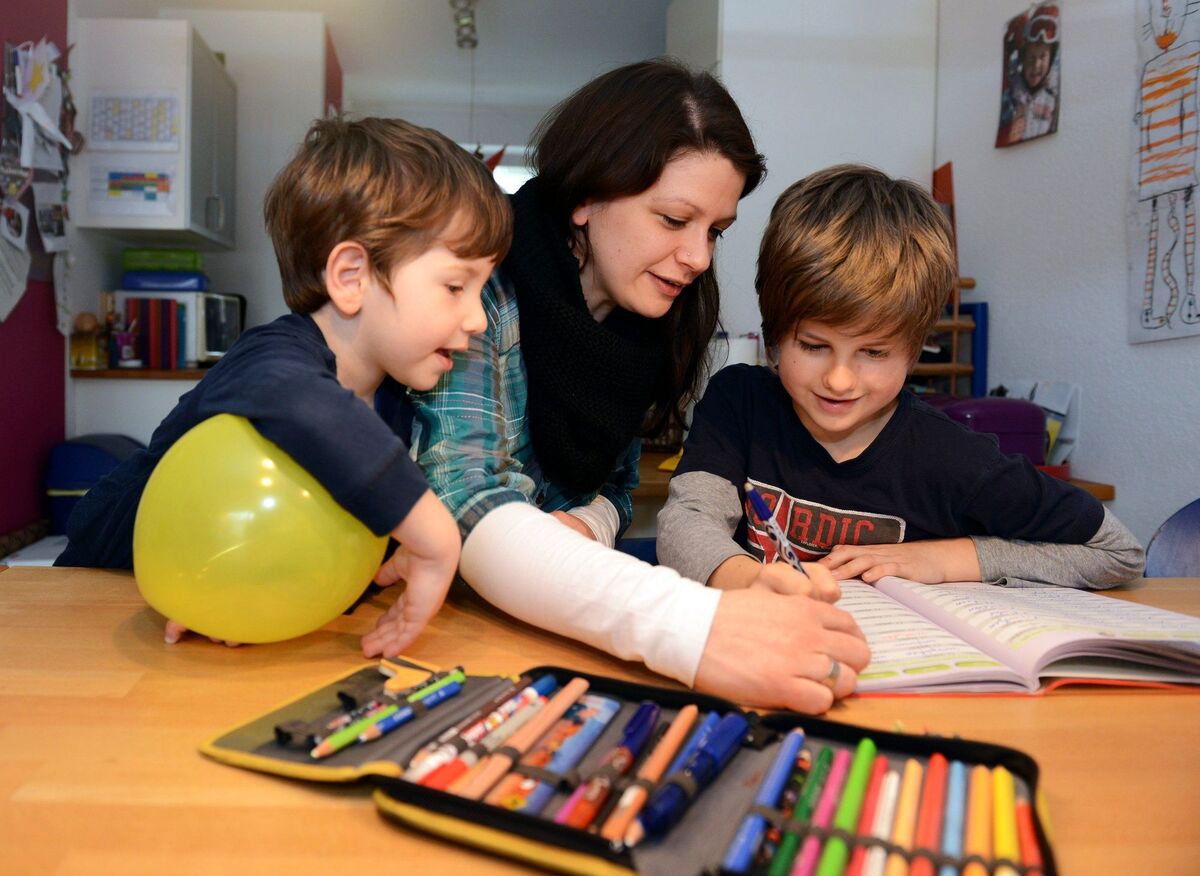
(590, 383)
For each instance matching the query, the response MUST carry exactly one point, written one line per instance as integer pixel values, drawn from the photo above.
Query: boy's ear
(347, 273)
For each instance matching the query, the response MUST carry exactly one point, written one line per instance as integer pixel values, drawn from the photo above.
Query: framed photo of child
(1030, 96)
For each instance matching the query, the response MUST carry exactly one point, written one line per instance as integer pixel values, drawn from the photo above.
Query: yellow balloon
(233, 539)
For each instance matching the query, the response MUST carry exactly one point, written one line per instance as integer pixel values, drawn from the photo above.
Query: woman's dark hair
(611, 139)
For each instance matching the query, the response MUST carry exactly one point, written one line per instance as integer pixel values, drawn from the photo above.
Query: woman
(598, 323)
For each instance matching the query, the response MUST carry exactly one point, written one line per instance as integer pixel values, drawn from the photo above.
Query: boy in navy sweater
(853, 271)
(384, 233)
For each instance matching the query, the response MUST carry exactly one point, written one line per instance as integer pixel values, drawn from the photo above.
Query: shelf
(962, 324)
(941, 369)
(141, 374)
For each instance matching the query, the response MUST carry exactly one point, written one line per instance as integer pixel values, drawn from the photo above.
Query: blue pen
(698, 738)
(740, 854)
(952, 822)
(670, 800)
(403, 716)
(763, 513)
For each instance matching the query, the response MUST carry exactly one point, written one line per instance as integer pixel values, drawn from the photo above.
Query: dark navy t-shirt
(924, 476)
(282, 377)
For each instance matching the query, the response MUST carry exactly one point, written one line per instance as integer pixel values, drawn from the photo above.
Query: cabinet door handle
(220, 202)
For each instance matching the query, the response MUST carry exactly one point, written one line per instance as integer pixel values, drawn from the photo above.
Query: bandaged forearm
(601, 518)
(528, 564)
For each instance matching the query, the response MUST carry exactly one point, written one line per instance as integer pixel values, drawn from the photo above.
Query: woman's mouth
(670, 288)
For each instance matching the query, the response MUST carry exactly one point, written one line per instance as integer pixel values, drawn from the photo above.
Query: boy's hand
(175, 631)
(773, 650)
(782, 578)
(426, 561)
(930, 562)
(573, 522)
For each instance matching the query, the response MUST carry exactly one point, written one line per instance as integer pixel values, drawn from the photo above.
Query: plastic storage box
(78, 465)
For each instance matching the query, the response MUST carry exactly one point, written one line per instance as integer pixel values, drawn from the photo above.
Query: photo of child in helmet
(1030, 97)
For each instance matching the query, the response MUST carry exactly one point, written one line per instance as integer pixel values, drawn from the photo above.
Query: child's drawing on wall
(1030, 97)
(1162, 224)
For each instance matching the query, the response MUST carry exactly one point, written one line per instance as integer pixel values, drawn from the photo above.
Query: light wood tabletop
(100, 722)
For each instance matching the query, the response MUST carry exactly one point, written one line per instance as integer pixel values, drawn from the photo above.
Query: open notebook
(956, 638)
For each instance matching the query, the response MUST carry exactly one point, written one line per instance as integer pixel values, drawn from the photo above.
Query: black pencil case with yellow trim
(274, 743)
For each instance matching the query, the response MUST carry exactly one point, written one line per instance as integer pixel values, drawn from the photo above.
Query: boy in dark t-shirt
(384, 233)
(853, 272)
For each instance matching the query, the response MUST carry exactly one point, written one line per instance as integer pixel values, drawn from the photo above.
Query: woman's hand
(175, 631)
(777, 650)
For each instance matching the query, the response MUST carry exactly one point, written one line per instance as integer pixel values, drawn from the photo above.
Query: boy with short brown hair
(854, 270)
(385, 234)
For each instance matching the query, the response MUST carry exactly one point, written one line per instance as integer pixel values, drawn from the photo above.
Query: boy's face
(431, 310)
(645, 249)
(1035, 64)
(843, 383)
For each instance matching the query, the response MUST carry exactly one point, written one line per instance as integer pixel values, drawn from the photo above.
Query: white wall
(277, 60)
(822, 83)
(1042, 228)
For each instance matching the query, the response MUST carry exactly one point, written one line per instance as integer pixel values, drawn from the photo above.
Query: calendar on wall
(134, 123)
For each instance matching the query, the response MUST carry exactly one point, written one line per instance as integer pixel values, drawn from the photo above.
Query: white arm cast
(530, 565)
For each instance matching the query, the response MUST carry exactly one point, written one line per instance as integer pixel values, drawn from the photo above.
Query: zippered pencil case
(706, 838)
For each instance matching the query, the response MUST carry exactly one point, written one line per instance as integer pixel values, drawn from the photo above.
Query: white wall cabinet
(159, 112)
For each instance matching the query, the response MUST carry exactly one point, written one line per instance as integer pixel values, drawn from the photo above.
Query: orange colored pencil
(490, 770)
(651, 770)
(979, 821)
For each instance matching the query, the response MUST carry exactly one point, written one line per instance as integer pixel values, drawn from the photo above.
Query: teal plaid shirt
(471, 432)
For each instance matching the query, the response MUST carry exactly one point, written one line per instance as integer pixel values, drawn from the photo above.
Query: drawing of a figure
(1166, 165)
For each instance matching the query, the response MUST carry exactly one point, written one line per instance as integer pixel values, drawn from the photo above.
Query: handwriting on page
(902, 642)
(1015, 617)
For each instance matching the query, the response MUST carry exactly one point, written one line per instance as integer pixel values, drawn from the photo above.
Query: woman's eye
(716, 233)
(672, 222)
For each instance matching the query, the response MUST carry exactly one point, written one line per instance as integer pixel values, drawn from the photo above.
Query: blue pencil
(740, 854)
(763, 513)
(952, 822)
(406, 714)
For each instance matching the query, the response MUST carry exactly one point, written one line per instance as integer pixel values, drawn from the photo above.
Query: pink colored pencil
(806, 861)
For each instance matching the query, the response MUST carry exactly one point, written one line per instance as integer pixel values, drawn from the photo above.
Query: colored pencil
(905, 825)
(835, 853)
(929, 815)
(979, 820)
(952, 827)
(651, 770)
(781, 863)
(885, 815)
(866, 819)
(445, 777)
(1004, 821)
(498, 763)
(1031, 852)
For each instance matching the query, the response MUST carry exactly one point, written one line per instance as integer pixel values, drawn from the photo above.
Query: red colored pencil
(929, 816)
(1031, 854)
(867, 817)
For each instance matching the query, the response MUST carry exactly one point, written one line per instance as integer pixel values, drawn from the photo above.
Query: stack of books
(156, 316)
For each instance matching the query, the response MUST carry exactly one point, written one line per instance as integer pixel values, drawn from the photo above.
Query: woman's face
(646, 248)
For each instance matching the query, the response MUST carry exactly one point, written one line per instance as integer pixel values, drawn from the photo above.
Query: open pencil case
(699, 843)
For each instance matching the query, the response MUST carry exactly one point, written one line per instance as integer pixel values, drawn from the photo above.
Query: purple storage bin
(1019, 425)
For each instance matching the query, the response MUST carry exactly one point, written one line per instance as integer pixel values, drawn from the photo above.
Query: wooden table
(654, 481)
(100, 721)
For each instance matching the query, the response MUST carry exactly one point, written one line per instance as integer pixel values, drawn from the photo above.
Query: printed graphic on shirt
(813, 528)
